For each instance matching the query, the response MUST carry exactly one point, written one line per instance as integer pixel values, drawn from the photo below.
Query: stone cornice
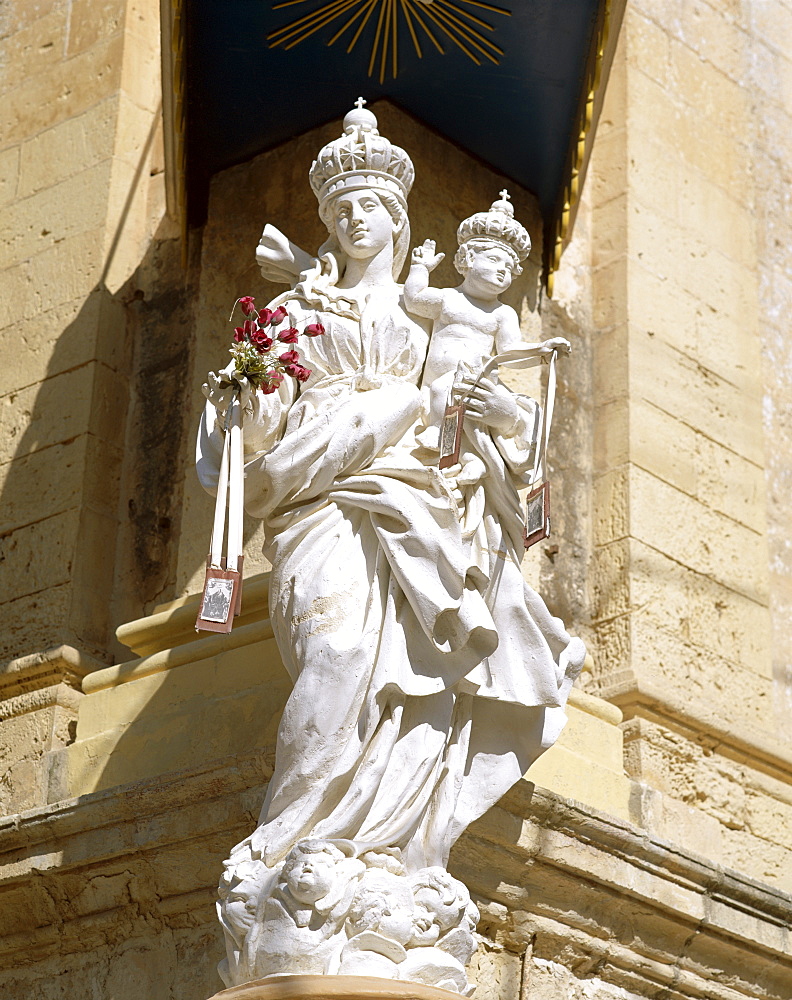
(547, 873)
(640, 698)
(54, 676)
(173, 624)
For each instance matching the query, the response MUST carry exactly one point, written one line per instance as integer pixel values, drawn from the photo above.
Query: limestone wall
(678, 268)
(81, 192)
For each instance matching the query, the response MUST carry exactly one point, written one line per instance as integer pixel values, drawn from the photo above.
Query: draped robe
(427, 675)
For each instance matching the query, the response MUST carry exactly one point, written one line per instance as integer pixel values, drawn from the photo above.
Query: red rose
(247, 303)
(298, 372)
(314, 330)
(289, 335)
(278, 316)
(264, 316)
(289, 357)
(261, 341)
(275, 379)
(239, 334)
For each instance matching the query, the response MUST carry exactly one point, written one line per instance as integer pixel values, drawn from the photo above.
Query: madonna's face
(363, 225)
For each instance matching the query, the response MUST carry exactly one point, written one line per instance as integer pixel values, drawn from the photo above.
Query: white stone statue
(427, 675)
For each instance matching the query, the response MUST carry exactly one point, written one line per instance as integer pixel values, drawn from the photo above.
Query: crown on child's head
(498, 225)
(361, 158)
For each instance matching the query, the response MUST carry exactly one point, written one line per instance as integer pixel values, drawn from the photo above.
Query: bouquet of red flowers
(264, 354)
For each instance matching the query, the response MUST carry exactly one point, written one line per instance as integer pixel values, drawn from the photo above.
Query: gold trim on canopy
(438, 21)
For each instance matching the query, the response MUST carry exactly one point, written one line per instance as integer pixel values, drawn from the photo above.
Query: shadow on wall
(88, 508)
(89, 511)
(86, 511)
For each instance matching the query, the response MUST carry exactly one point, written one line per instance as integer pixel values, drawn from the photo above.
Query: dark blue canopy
(520, 116)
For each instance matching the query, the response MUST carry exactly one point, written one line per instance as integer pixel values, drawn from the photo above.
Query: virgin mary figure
(426, 681)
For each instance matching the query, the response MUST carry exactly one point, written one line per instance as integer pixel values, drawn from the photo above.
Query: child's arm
(418, 296)
(508, 336)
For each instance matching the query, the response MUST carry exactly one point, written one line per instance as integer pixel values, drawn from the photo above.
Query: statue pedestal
(333, 988)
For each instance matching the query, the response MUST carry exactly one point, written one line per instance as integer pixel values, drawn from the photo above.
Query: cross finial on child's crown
(360, 102)
(504, 205)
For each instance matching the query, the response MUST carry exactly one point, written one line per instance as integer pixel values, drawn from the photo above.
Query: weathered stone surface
(745, 806)
(688, 483)
(69, 147)
(42, 415)
(91, 23)
(22, 548)
(115, 877)
(9, 174)
(39, 698)
(55, 94)
(54, 213)
(63, 106)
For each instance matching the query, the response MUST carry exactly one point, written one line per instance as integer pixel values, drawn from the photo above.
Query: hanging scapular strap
(537, 502)
(222, 593)
(537, 512)
(451, 430)
(547, 419)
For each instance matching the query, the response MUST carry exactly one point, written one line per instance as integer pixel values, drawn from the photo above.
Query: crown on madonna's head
(361, 158)
(498, 225)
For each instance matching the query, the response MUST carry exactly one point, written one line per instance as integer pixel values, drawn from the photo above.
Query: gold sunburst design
(424, 19)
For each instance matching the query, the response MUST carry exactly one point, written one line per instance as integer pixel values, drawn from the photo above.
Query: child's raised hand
(426, 255)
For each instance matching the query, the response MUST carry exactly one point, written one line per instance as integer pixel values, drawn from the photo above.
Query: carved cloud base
(332, 988)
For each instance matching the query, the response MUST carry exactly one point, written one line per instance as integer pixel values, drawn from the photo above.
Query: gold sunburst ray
(451, 20)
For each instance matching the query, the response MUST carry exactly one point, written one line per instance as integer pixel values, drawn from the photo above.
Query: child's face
(426, 925)
(393, 918)
(240, 906)
(311, 877)
(490, 269)
(432, 916)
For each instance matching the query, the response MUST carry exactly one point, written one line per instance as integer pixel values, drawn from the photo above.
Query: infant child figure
(240, 888)
(471, 324)
(299, 926)
(379, 925)
(442, 939)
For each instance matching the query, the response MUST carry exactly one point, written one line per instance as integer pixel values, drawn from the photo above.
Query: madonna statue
(427, 675)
